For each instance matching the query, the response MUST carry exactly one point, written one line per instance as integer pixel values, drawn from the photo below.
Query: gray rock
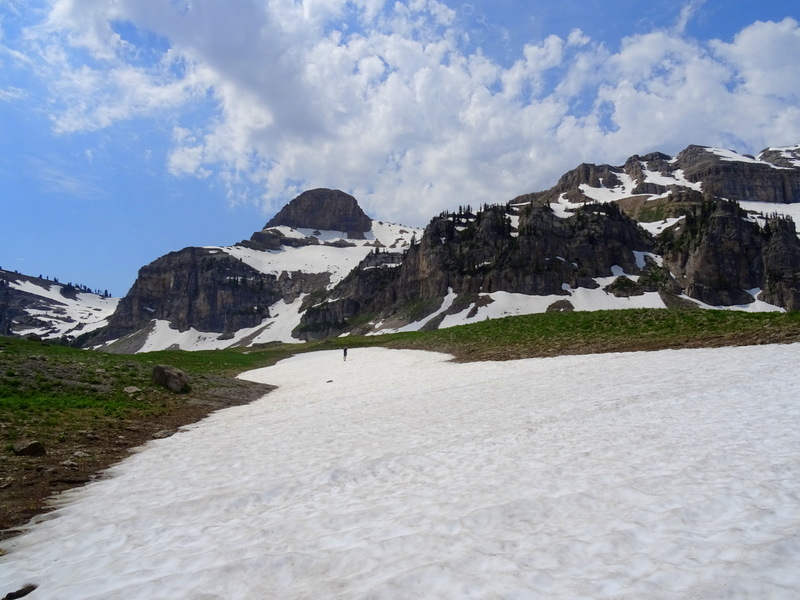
(171, 378)
(29, 448)
(164, 433)
(324, 209)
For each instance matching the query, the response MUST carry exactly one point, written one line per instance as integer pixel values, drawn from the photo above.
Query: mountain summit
(324, 209)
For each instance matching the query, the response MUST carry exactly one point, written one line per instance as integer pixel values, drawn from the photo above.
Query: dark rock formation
(717, 254)
(29, 448)
(20, 593)
(481, 253)
(569, 184)
(195, 287)
(739, 180)
(171, 378)
(324, 209)
(786, 158)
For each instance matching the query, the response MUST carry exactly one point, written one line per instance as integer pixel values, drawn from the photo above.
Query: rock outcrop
(470, 254)
(739, 180)
(175, 380)
(718, 256)
(197, 288)
(773, 177)
(324, 209)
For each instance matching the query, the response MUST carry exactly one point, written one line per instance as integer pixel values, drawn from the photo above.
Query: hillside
(34, 306)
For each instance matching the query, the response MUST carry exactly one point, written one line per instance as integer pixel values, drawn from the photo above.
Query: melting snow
(397, 474)
(730, 155)
(86, 312)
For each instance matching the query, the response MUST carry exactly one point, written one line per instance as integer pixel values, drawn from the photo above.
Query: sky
(132, 128)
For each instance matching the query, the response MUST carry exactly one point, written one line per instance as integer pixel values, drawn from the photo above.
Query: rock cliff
(195, 288)
(324, 209)
(469, 254)
(718, 256)
(740, 180)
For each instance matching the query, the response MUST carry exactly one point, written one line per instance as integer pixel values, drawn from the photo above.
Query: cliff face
(740, 180)
(195, 287)
(717, 255)
(773, 177)
(483, 253)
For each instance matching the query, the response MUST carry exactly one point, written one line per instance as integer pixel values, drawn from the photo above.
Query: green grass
(550, 334)
(44, 383)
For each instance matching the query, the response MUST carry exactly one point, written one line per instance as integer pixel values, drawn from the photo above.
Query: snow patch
(398, 474)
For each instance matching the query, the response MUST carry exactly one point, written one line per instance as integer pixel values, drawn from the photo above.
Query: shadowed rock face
(470, 254)
(195, 287)
(324, 209)
(740, 180)
(717, 254)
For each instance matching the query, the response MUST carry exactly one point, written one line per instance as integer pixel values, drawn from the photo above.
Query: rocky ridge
(706, 250)
(656, 231)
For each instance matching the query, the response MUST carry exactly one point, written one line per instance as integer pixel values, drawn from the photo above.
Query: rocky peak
(786, 157)
(742, 180)
(324, 209)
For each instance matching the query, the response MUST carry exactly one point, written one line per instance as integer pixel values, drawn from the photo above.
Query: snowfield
(398, 474)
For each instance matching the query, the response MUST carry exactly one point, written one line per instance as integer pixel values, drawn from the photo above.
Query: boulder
(29, 448)
(171, 378)
(164, 433)
(20, 593)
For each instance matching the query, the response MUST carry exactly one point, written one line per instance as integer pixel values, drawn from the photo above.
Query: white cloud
(688, 10)
(578, 38)
(382, 100)
(765, 57)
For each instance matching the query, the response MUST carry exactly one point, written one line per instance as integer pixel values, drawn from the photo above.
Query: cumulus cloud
(384, 100)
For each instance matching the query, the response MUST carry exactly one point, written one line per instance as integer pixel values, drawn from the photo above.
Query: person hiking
(344, 353)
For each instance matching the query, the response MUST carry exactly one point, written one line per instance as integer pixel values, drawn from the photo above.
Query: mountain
(706, 228)
(254, 291)
(34, 306)
(576, 246)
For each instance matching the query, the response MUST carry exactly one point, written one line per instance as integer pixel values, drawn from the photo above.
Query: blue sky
(131, 128)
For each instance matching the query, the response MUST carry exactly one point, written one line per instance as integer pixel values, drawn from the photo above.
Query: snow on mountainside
(50, 310)
(604, 237)
(515, 259)
(305, 260)
(334, 254)
(657, 176)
